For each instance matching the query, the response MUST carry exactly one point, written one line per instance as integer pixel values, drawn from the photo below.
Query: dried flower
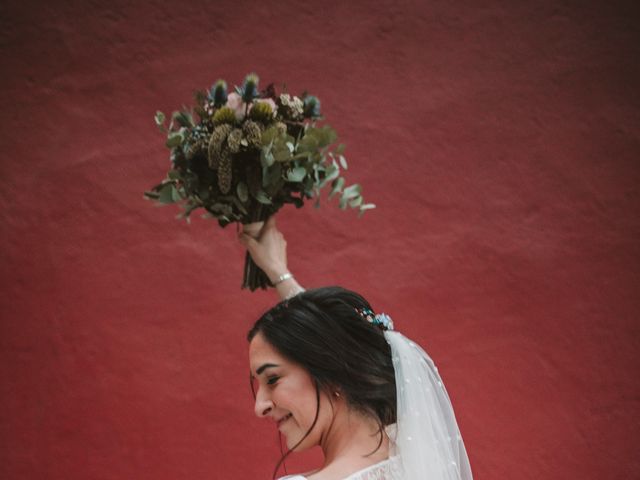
(224, 171)
(252, 132)
(216, 143)
(292, 106)
(262, 112)
(282, 127)
(224, 115)
(234, 139)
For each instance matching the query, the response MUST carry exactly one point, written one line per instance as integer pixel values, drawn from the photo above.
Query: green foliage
(176, 139)
(244, 170)
(160, 119)
(243, 192)
(184, 119)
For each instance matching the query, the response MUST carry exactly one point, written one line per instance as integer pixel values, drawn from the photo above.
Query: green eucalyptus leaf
(343, 162)
(159, 118)
(148, 195)
(355, 202)
(296, 174)
(175, 194)
(271, 175)
(262, 197)
(243, 192)
(326, 136)
(332, 173)
(352, 191)
(269, 135)
(281, 154)
(239, 205)
(266, 158)
(184, 119)
(336, 186)
(175, 139)
(308, 143)
(166, 194)
(364, 208)
(308, 185)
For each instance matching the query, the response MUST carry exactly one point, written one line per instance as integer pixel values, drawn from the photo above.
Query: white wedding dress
(386, 470)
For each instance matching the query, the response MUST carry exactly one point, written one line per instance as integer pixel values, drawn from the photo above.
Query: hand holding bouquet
(241, 156)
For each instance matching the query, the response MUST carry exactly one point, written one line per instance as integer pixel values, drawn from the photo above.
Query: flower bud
(249, 89)
(311, 106)
(218, 93)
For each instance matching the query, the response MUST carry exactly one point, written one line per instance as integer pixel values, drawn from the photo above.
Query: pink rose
(235, 103)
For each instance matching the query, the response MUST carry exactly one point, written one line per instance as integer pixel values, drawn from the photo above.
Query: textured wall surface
(499, 139)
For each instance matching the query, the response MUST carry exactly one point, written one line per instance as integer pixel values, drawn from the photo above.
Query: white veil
(428, 442)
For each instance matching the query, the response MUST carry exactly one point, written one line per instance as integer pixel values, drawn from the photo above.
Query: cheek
(307, 415)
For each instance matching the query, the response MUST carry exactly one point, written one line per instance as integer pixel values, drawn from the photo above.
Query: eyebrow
(262, 368)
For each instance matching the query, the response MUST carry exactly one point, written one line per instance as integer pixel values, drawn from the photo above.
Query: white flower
(295, 104)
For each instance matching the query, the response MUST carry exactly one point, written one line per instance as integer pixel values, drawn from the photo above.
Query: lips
(284, 419)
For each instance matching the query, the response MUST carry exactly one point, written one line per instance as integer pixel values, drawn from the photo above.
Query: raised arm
(269, 252)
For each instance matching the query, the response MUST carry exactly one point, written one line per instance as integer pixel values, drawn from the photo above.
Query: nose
(263, 404)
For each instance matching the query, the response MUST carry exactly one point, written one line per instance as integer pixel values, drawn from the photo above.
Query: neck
(353, 437)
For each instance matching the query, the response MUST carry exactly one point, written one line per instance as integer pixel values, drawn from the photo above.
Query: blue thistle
(311, 106)
(249, 89)
(218, 93)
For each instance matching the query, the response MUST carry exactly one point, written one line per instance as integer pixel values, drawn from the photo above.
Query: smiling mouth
(284, 419)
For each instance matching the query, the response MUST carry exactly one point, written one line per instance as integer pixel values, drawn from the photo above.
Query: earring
(337, 395)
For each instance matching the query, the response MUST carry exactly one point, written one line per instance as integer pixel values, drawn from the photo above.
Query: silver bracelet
(282, 278)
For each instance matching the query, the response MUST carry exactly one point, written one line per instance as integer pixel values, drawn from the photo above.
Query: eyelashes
(272, 380)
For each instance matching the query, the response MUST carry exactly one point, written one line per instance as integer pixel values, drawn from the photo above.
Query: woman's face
(286, 394)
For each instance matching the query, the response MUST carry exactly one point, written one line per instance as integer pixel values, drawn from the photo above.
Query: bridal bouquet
(242, 155)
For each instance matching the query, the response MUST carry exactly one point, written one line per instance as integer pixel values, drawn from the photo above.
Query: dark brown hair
(323, 331)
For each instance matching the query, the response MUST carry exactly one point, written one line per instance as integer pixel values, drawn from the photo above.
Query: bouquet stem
(254, 277)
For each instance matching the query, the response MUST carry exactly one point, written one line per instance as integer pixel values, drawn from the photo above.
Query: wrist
(275, 273)
(282, 278)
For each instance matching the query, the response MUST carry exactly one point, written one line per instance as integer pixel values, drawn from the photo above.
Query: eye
(272, 380)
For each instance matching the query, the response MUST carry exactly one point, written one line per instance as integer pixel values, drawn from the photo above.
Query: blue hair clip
(381, 320)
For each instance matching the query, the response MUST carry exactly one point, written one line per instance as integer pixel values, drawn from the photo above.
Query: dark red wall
(500, 140)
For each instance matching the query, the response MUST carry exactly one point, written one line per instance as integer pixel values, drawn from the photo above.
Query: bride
(329, 371)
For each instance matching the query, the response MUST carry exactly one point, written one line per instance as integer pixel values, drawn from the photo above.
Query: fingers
(271, 222)
(246, 240)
